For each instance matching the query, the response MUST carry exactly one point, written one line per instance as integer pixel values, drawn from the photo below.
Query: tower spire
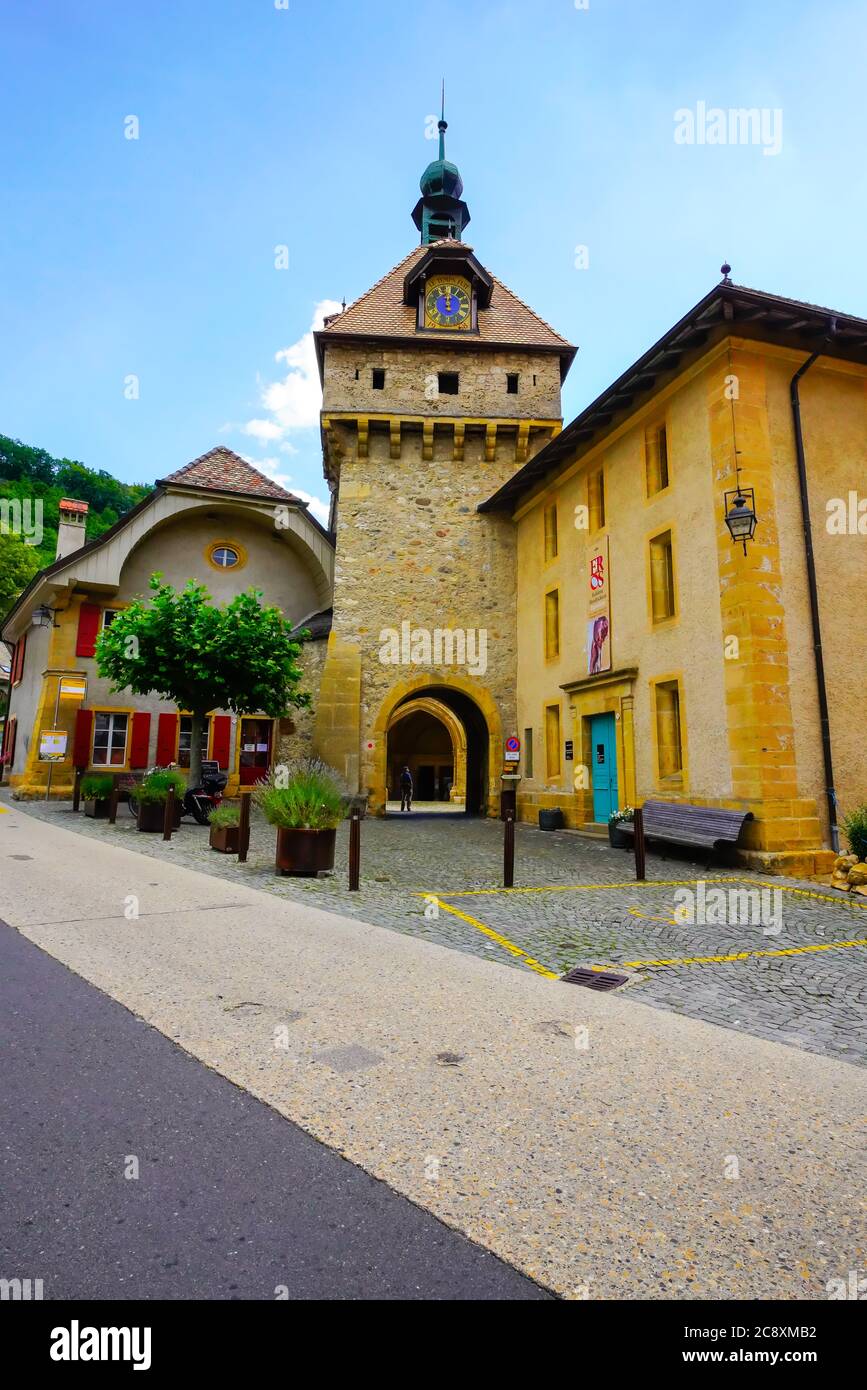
(440, 212)
(443, 124)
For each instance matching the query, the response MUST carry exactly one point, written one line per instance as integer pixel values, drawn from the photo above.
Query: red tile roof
(381, 312)
(221, 470)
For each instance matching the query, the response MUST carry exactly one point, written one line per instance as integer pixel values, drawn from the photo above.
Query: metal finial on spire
(726, 273)
(442, 124)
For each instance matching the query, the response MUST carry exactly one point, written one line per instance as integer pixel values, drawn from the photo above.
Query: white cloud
(262, 430)
(317, 507)
(271, 468)
(294, 402)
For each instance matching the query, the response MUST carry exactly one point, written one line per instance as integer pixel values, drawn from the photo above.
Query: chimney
(71, 528)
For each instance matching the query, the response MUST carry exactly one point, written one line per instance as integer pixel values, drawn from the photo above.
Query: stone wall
(408, 381)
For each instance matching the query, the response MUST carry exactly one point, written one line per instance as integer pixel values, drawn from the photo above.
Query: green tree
(18, 564)
(183, 647)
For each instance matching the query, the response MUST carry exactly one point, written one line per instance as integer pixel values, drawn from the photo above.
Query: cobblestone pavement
(575, 904)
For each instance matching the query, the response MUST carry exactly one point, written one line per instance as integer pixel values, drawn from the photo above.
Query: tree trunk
(197, 723)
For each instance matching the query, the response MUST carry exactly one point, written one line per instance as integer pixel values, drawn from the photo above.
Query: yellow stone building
(489, 576)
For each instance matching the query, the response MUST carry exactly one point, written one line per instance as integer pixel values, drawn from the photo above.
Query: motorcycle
(198, 802)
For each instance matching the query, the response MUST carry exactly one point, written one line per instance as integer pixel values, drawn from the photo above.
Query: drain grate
(593, 979)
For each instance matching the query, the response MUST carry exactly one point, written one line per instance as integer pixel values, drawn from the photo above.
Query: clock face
(447, 303)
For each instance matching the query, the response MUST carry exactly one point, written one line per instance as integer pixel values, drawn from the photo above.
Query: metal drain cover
(593, 979)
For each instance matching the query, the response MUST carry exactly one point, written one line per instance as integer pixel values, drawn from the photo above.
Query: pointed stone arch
(429, 704)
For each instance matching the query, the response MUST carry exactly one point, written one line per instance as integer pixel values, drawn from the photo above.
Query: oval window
(224, 557)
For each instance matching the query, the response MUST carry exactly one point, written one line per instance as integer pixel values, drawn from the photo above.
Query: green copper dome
(439, 212)
(441, 176)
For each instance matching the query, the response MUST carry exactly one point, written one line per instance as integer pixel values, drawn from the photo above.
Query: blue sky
(304, 126)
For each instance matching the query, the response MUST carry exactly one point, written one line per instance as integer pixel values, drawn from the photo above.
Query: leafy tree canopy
(240, 656)
(26, 472)
(18, 564)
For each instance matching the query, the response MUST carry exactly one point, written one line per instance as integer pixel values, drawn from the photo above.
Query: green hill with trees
(30, 473)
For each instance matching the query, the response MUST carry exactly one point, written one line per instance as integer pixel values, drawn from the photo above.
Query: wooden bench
(703, 827)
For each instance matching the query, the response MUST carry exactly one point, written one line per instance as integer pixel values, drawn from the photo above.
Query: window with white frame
(109, 739)
(108, 617)
(185, 739)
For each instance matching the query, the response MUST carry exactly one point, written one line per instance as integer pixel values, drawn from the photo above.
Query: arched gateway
(449, 736)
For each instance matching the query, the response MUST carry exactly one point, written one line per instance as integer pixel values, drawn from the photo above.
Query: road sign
(513, 745)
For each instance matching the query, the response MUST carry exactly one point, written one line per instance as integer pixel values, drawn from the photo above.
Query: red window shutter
(81, 743)
(88, 629)
(140, 739)
(221, 740)
(18, 660)
(167, 739)
(9, 734)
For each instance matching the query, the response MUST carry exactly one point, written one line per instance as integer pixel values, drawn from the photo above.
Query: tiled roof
(224, 471)
(382, 312)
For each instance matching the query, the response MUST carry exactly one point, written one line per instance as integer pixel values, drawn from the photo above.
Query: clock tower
(438, 384)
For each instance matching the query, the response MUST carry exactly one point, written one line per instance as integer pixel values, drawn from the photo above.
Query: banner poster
(599, 610)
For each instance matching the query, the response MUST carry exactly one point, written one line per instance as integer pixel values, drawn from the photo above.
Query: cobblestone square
(800, 979)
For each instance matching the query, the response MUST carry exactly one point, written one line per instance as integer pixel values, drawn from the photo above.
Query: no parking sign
(513, 750)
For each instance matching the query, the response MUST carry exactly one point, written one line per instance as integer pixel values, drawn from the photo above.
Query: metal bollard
(354, 849)
(76, 790)
(638, 823)
(244, 828)
(509, 850)
(169, 816)
(113, 800)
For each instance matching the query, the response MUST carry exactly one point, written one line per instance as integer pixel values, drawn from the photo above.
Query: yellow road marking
(495, 936)
(840, 901)
(739, 955)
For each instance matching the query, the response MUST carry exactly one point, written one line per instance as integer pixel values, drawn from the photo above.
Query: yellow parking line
(495, 936)
(739, 955)
(840, 901)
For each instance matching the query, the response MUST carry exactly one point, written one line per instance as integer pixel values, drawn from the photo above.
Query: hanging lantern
(740, 515)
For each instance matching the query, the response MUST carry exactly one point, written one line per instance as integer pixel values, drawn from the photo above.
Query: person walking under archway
(406, 790)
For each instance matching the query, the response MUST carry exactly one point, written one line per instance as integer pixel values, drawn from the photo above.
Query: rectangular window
(512, 383)
(551, 538)
(669, 739)
(552, 740)
(596, 499)
(185, 740)
(662, 596)
(108, 617)
(109, 739)
(528, 752)
(656, 459)
(552, 625)
(379, 378)
(449, 383)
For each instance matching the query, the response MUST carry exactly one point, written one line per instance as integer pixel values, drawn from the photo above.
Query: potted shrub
(617, 838)
(151, 795)
(225, 826)
(96, 791)
(305, 803)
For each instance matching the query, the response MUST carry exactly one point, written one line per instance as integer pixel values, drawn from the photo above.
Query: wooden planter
(305, 851)
(97, 807)
(225, 839)
(152, 815)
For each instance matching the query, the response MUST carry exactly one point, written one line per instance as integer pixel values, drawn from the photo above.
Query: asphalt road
(232, 1201)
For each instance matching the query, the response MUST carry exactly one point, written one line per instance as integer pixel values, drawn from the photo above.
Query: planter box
(551, 820)
(97, 808)
(305, 851)
(225, 839)
(152, 815)
(617, 838)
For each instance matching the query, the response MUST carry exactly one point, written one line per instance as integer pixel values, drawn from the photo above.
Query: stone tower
(438, 383)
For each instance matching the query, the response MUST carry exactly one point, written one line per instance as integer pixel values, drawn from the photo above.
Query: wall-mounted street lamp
(741, 514)
(43, 616)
